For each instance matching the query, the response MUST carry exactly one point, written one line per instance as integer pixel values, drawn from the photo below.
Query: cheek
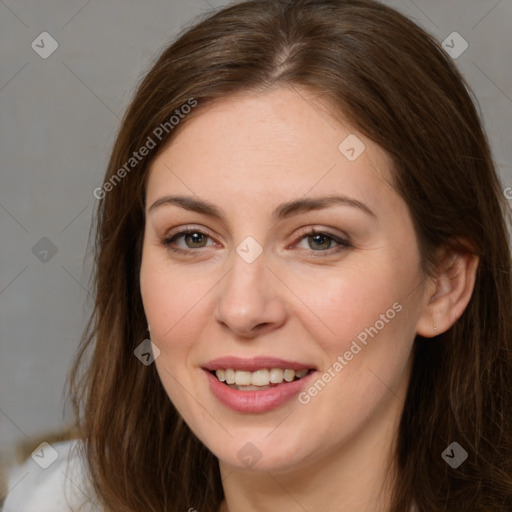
(170, 300)
(172, 305)
(340, 306)
(365, 326)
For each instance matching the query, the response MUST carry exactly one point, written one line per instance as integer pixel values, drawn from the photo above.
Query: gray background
(58, 120)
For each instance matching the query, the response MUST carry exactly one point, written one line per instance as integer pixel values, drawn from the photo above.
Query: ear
(448, 293)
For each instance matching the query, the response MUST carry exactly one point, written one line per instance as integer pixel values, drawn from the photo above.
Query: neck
(355, 477)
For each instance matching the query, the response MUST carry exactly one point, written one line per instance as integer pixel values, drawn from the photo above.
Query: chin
(259, 454)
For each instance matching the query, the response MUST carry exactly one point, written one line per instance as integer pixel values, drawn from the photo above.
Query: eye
(320, 241)
(193, 239)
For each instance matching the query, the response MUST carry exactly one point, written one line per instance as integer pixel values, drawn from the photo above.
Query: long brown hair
(396, 85)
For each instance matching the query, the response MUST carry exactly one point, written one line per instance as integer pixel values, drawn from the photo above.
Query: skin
(247, 154)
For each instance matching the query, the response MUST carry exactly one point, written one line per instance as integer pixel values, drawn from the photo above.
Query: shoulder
(53, 479)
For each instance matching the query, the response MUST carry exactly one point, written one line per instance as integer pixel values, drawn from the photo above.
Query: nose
(249, 301)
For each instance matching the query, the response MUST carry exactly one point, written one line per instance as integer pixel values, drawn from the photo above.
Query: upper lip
(255, 363)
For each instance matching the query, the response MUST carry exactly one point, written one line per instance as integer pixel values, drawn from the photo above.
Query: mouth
(256, 385)
(259, 380)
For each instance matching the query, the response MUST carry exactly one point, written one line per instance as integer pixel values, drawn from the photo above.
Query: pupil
(317, 240)
(195, 238)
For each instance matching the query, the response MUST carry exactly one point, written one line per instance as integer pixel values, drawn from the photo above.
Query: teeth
(276, 375)
(243, 378)
(261, 378)
(289, 375)
(230, 376)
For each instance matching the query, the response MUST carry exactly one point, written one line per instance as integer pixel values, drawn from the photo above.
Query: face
(253, 266)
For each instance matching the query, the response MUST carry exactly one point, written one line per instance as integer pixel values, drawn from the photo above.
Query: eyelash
(342, 243)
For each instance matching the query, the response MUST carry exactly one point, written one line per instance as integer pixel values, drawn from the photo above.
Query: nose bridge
(243, 284)
(247, 297)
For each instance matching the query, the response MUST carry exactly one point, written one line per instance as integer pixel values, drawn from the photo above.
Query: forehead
(272, 146)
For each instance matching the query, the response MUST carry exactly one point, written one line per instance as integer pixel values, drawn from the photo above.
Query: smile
(258, 380)
(256, 385)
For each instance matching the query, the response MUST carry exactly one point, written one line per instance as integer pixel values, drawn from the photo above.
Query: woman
(302, 214)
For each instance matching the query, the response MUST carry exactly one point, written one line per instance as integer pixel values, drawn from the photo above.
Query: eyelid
(312, 230)
(187, 227)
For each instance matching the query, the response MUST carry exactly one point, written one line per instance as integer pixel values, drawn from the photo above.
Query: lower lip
(256, 401)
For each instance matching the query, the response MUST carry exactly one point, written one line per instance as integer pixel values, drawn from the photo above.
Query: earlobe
(449, 295)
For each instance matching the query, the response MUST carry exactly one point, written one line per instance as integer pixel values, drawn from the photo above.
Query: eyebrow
(283, 211)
